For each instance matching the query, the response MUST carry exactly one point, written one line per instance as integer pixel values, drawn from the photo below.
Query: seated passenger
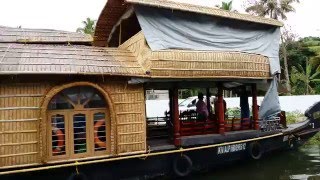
(202, 109)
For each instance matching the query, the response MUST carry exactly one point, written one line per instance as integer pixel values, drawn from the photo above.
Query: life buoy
(182, 165)
(60, 140)
(255, 150)
(77, 176)
(97, 141)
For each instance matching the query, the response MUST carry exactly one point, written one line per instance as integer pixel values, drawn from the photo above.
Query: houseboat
(75, 108)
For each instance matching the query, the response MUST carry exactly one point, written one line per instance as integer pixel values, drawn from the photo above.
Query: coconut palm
(306, 77)
(225, 6)
(88, 27)
(273, 8)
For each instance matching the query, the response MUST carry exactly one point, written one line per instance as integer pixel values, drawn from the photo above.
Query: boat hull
(169, 164)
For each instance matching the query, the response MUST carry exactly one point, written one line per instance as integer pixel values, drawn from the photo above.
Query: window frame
(68, 114)
(49, 138)
(108, 132)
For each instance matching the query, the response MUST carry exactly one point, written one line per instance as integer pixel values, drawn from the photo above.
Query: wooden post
(220, 109)
(176, 120)
(208, 100)
(255, 109)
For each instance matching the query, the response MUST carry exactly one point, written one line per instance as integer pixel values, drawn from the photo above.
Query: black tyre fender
(182, 165)
(77, 176)
(255, 150)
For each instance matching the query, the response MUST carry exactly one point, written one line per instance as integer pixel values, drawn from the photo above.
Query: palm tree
(306, 77)
(89, 27)
(225, 6)
(273, 8)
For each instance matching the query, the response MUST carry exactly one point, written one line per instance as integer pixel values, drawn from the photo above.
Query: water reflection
(303, 164)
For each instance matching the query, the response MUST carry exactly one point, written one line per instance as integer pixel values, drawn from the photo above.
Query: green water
(301, 164)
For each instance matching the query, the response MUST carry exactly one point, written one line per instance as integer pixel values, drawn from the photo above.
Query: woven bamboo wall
(19, 123)
(138, 46)
(129, 109)
(197, 64)
(21, 129)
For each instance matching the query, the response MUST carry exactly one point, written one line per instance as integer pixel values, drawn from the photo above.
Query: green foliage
(303, 59)
(225, 6)
(315, 140)
(89, 26)
(306, 77)
(294, 117)
(236, 112)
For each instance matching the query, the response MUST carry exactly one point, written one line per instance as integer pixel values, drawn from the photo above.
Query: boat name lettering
(231, 148)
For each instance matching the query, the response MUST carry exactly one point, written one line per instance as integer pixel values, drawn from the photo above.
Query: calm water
(301, 164)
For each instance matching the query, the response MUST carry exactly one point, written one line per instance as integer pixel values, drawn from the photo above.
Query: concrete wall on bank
(156, 108)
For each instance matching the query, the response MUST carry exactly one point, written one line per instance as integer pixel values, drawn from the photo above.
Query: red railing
(191, 125)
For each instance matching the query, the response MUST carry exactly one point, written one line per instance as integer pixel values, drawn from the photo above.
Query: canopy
(167, 29)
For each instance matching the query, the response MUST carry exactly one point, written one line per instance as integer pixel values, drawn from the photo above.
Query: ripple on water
(304, 176)
(303, 164)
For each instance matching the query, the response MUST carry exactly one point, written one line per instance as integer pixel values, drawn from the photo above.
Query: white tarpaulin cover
(168, 29)
(270, 105)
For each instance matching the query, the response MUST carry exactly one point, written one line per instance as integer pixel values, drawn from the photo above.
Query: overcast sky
(68, 14)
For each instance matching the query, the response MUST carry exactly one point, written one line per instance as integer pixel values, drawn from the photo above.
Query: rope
(135, 156)
(147, 155)
(76, 164)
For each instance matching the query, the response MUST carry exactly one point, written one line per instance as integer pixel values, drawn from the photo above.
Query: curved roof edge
(109, 16)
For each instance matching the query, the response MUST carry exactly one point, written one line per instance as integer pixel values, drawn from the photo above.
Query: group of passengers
(203, 110)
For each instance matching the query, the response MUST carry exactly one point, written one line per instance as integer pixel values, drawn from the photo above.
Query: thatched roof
(114, 9)
(22, 35)
(58, 59)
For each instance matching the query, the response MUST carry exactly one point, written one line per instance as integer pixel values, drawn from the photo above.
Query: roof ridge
(206, 10)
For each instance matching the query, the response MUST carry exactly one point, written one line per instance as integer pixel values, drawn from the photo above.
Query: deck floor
(198, 140)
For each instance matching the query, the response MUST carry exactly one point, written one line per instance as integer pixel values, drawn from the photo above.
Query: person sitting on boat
(201, 108)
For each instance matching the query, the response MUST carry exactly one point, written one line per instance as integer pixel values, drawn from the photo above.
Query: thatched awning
(191, 64)
(58, 59)
(22, 35)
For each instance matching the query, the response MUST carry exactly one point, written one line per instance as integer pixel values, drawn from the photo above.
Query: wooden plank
(14, 155)
(21, 95)
(17, 132)
(18, 108)
(18, 120)
(21, 143)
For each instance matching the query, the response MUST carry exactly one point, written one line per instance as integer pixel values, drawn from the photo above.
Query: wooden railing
(236, 124)
(188, 128)
(270, 124)
(159, 127)
(162, 127)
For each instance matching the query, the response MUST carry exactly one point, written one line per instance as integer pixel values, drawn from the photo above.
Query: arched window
(79, 123)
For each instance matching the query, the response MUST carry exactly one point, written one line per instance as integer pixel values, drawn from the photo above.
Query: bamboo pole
(255, 110)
